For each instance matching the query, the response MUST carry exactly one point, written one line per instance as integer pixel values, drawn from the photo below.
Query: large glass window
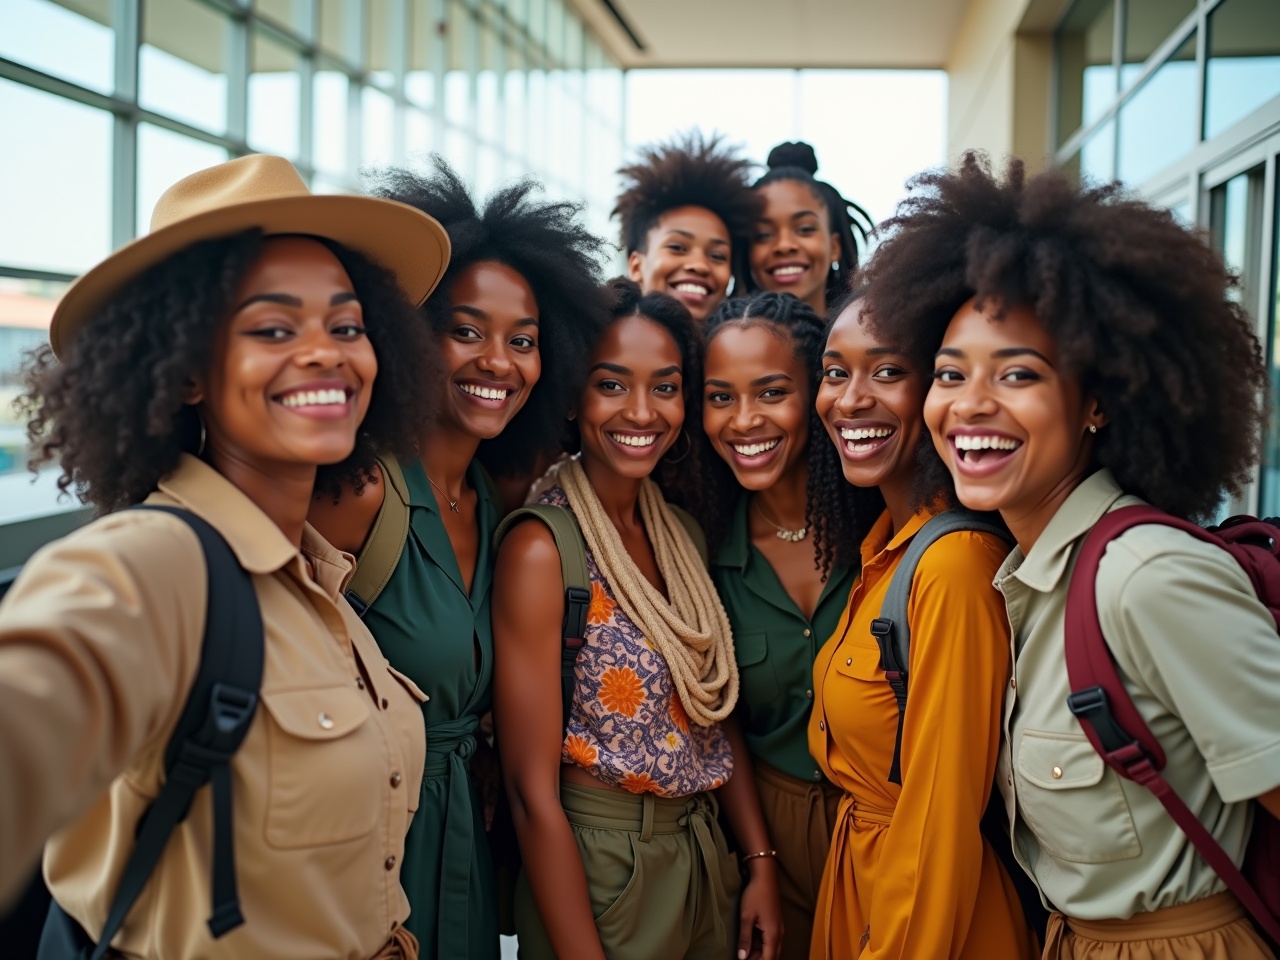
(1086, 68)
(182, 66)
(275, 97)
(1158, 123)
(26, 306)
(331, 116)
(297, 15)
(77, 45)
(1147, 25)
(165, 157)
(1243, 70)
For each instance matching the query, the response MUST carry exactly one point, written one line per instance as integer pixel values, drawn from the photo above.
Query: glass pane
(538, 20)
(384, 40)
(1147, 24)
(294, 14)
(340, 28)
(1158, 123)
(457, 78)
(488, 94)
(275, 97)
(488, 170)
(66, 229)
(573, 48)
(1244, 61)
(378, 123)
(330, 121)
(514, 102)
(26, 306)
(417, 136)
(536, 123)
(1086, 75)
(459, 150)
(419, 81)
(183, 62)
(76, 45)
(164, 158)
(555, 29)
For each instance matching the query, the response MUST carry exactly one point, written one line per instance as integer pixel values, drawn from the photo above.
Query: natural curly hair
(546, 243)
(1141, 310)
(113, 414)
(837, 513)
(690, 170)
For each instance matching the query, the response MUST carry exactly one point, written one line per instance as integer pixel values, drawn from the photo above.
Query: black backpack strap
(891, 629)
(218, 713)
(577, 584)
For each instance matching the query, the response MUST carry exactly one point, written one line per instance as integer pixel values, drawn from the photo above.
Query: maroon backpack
(1117, 731)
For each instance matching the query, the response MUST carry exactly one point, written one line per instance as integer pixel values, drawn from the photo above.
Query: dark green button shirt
(776, 646)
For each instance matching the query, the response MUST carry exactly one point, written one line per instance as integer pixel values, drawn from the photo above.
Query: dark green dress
(442, 639)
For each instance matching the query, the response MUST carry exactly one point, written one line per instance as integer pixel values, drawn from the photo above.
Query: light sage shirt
(1199, 655)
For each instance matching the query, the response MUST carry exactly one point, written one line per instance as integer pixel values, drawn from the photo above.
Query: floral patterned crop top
(627, 725)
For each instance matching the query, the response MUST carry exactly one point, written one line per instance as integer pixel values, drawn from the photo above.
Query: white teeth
(485, 393)
(788, 271)
(631, 440)
(691, 288)
(985, 442)
(865, 433)
(755, 449)
(314, 398)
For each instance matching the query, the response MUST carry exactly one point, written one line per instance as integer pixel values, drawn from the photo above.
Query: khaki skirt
(1216, 928)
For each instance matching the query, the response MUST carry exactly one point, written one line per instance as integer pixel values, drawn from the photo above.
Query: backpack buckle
(1092, 706)
(880, 627)
(576, 602)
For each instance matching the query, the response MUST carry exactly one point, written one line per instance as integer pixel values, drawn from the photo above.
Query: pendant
(793, 536)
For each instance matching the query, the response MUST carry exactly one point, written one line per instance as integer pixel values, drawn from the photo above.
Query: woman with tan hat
(257, 343)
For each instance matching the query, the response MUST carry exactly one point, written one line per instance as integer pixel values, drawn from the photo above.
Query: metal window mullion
(439, 60)
(1117, 68)
(126, 19)
(1202, 69)
(238, 65)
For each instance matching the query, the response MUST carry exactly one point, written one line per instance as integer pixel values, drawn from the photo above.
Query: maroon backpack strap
(1108, 715)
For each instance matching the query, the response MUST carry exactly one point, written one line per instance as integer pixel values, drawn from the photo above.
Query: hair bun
(794, 154)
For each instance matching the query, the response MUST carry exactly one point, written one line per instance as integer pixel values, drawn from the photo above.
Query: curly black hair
(838, 513)
(796, 161)
(690, 170)
(1141, 310)
(113, 411)
(546, 243)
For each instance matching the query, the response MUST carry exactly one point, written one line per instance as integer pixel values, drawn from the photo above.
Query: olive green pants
(662, 882)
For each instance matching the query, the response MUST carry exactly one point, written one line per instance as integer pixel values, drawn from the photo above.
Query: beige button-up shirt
(1197, 652)
(99, 643)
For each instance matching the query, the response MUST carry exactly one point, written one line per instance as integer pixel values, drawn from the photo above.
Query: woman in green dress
(514, 316)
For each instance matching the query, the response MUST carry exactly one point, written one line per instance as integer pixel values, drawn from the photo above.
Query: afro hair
(546, 243)
(688, 171)
(1143, 312)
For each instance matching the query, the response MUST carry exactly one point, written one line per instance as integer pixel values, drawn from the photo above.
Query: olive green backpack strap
(382, 548)
(692, 528)
(577, 583)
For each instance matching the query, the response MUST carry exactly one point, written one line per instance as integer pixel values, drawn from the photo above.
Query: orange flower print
(638, 783)
(679, 716)
(601, 607)
(621, 691)
(580, 751)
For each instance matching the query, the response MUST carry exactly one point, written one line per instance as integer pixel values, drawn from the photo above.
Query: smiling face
(687, 256)
(632, 408)
(490, 351)
(292, 371)
(793, 246)
(756, 413)
(1010, 425)
(870, 401)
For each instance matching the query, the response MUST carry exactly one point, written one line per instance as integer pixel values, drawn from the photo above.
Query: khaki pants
(800, 817)
(662, 883)
(1216, 928)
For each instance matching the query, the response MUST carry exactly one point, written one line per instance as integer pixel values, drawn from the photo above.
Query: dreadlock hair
(835, 511)
(546, 243)
(681, 463)
(688, 171)
(796, 161)
(1141, 310)
(113, 412)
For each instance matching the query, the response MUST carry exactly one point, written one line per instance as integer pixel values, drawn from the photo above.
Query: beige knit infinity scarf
(691, 633)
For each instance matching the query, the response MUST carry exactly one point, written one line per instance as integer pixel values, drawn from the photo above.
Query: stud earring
(1093, 428)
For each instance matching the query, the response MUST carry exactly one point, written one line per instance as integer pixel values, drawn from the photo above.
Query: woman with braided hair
(616, 814)
(807, 239)
(686, 210)
(782, 524)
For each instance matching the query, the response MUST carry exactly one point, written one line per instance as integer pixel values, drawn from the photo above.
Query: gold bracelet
(762, 853)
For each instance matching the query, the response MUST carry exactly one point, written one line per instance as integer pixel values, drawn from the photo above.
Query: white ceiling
(780, 33)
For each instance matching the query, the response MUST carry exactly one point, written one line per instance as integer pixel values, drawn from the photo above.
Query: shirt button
(359, 683)
(822, 725)
(808, 632)
(384, 703)
(849, 662)
(395, 779)
(325, 721)
(817, 774)
(1057, 773)
(390, 863)
(809, 694)
(1014, 684)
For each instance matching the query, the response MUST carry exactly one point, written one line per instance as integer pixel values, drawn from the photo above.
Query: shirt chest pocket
(327, 766)
(756, 675)
(1072, 801)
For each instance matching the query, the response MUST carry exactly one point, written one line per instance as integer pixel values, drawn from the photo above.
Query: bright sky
(872, 129)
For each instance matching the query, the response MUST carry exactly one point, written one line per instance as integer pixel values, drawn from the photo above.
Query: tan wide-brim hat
(267, 193)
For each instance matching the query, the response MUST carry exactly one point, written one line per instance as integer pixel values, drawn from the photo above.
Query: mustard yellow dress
(909, 874)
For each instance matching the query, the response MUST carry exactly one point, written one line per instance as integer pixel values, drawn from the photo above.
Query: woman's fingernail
(742, 955)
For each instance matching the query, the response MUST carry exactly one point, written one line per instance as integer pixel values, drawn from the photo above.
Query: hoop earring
(688, 448)
(204, 434)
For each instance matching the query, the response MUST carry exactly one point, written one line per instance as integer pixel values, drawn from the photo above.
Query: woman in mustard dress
(909, 874)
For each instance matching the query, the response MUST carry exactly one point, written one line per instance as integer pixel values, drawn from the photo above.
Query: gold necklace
(791, 536)
(453, 504)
